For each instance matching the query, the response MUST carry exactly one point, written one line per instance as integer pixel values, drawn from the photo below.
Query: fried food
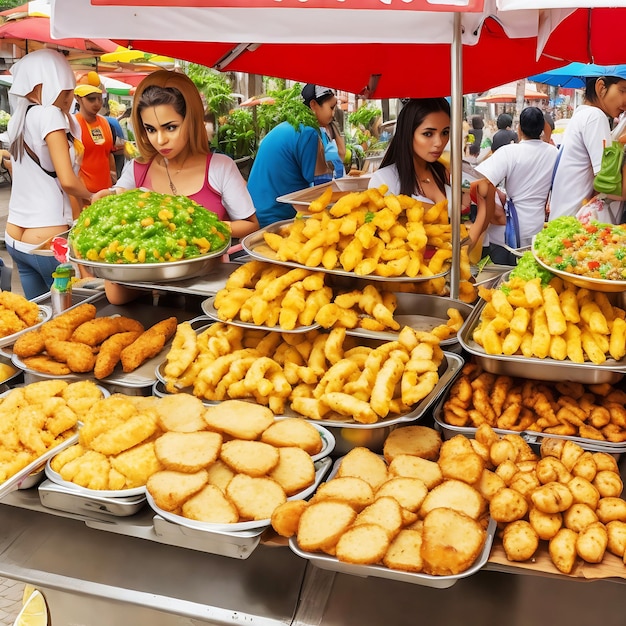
(148, 344)
(508, 505)
(616, 532)
(188, 452)
(239, 419)
(553, 498)
(171, 489)
(96, 331)
(579, 516)
(520, 541)
(62, 326)
(591, 543)
(410, 493)
(26, 311)
(455, 495)
(183, 351)
(210, 505)
(136, 465)
(295, 470)
(364, 464)
(125, 435)
(451, 542)
(364, 544)
(78, 356)
(110, 352)
(255, 497)
(355, 491)
(404, 552)
(286, 517)
(181, 413)
(414, 440)
(46, 365)
(28, 344)
(546, 525)
(252, 458)
(416, 467)
(293, 431)
(562, 549)
(385, 512)
(323, 523)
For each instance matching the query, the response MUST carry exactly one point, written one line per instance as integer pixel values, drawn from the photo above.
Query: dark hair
(532, 122)
(590, 86)
(504, 121)
(400, 151)
(549, 120)
(308, 94)
(477, 122)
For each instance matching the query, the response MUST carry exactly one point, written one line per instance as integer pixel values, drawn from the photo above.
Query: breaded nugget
(255, 498)
(457, 495)
(188, 452)
(242, 420)
(137, 464)
(104, 415)
(295, 470)
(415, 440)
(323, 523)
(91, 471)
(182, 413)
(451, 542)
(365, 544)
(253, 458)
(95, 331)
(286, 517)
(78, 356)
(29, 344)
(10, 323)
(409, 492)
(416, 467)
(350, 489)
(220, 475)
(126, 435)
(171, 489)
(38, 392)
(363, 463)
(46, 365)
(81, 395)
(212, 506)
(385, 512)
(62, 326)
(404, 553)
(294, 431)
(148, 344)
(110, 352)
(65, 456)
(26, 310)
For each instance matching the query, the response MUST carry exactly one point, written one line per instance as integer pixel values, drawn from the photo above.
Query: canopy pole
(456, 151)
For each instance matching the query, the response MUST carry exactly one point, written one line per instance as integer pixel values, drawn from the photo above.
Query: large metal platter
(45, 313)
(153, 272)
(594, 284)
(611, 371)
(208, 308)
(255, 246)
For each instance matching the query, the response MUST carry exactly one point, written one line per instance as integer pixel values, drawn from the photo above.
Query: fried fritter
(242, 420)
(30, 343)
(286, 517)
(294, 431)
(188, 452)
(363, 463)
(212, 506)
(110, 352)
(253, 458)
(255, 498)
(96, 331)
(46, 365)
(171, 489)
(295, 470)
(415, 440)
(82, 395)
(183, 351)
(10, 323)
(148, 344)
(350, 489)
(126, 435)
(137, 464)
(62, 326)
(404, 553)
(78, 356)
(182, 413)
(364, 544)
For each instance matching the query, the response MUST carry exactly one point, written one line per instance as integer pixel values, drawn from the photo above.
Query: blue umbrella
(574, 74)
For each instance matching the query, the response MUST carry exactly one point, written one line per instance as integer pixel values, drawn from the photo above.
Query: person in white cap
(97, 169)
(44, 163)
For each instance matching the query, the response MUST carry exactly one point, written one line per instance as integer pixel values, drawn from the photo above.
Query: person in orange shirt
(97, 169)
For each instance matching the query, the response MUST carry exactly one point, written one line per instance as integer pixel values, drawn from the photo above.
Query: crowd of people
(65, 152)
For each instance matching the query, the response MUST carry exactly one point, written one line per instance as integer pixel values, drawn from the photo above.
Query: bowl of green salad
(140, 236)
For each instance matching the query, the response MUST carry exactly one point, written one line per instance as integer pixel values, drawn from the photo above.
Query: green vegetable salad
(146, 227)
(527, 269)
(592, 250)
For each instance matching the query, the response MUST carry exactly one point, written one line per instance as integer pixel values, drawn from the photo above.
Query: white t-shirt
(581, 159)
(526, 167)
(224, 177)
(389, 176)
(37, 199)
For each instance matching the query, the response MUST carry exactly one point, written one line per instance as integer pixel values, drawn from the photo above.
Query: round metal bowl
(153, 272)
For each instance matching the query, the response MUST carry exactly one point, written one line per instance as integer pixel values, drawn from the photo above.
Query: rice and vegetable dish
(146, 227)
(592, 250)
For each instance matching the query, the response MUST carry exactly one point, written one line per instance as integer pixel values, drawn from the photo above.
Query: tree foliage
(214, 86)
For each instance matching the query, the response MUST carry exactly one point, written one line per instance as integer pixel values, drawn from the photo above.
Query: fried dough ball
(520, 541)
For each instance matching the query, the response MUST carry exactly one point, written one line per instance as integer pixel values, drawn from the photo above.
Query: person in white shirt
(526, 170)
(587, 132)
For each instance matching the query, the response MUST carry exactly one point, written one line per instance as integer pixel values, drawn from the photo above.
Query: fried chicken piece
(26, 310)
(110, 353)
(94, 332)
(62, 326)
(46, 365)
(78, 356)
(30, 343)
(10, 323)
(148, 344)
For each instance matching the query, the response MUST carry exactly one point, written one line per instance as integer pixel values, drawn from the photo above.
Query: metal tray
(340, 186)
(321, 469)
(530, 436)
(448, 370)
(63, 498)
(324, 561)
(45, 313)
(541, 369)
(208, 308)
(594, 284)
(421, 312)
(255, 246)
(15, 482)
(91, 493)
(157, 272)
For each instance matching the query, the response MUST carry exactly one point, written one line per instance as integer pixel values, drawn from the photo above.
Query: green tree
(215, 87)
(10, 4)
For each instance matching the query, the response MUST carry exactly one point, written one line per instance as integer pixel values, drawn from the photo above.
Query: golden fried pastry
(365, 544)
(610, 509)
(520, 541)
(451, 542)
(409, 492)
(125, 435)
(255, 498)
(385, 512)
(46, 365)
(171, 489)
(26, 311)
(323, 523)
(286, 517)
(188, 452)
(295, 470)
(253, 458)
(210, 505)
(363, 463)
(110, 352)
(30, 343)
(355, 491)
(183, 351)
(148, 344)
(546, 525)
(242, 420)
(78, 356)
(415, 440)
(137, 464)
(553, 498)
(457, 495)
(181, 413)
(81, 395)
(220, 475)
(294, 431)
(94, 332)
(489, 484)
(416, 467)
(405, 551)
(62, 326)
